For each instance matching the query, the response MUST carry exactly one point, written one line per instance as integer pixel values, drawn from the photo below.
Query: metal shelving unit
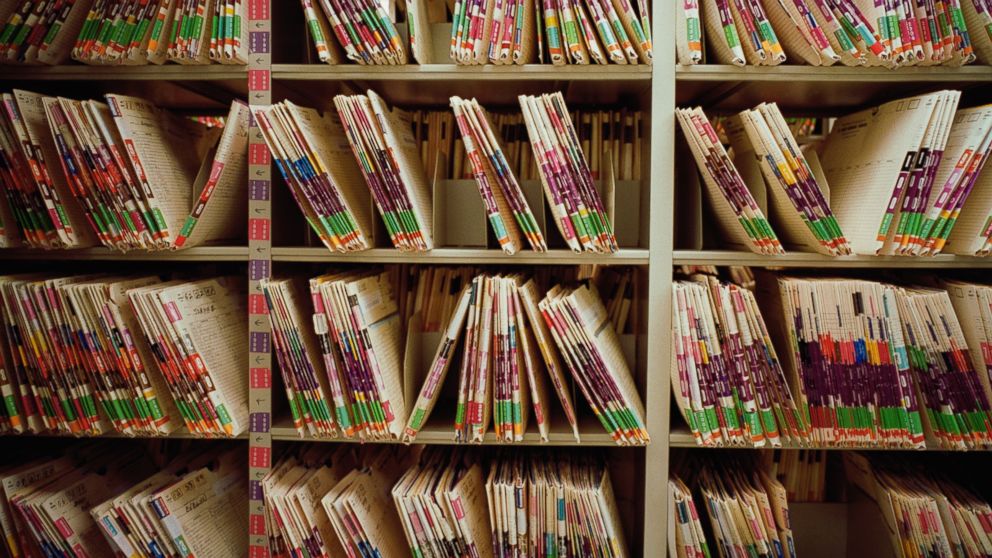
(800, 259)
(787, 73)
(632, 256)
(446, 72)
(167, 72)
(662, 87)
(440, 433)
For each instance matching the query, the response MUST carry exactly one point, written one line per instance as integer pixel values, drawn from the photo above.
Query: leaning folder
(510, 215)
(382, 141)
(313, 155)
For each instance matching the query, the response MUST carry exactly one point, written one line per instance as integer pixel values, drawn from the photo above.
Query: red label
(257, 305)
(259, 458)
(260, 378)
(63, 526)
(258, 9)
(256, 524)
(258, 154)
(258, 80)
(255, 551)
(258, 229)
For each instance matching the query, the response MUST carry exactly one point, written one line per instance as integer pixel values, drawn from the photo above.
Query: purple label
(254, 490)
(259, 342)
(258, 190)
(259, 422)
(258, 270)
(258, 42)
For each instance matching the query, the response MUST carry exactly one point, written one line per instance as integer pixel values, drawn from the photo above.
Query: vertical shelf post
(661, 234)
(259, 268)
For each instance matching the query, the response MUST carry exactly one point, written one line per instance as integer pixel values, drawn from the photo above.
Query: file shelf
(800, 259)
(434, 433)
(200, 253)
(79, 72)
(680, 437)
(444, 72)
(632, 256)
(182, 434)
(787, 74)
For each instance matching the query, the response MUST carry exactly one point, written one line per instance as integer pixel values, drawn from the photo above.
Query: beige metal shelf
(202, 253)
(681, 437)
(182, 434)
(787, 73)
(626, 256)
(151, 72)
(444, 72)
(436, 432)
(799, 259)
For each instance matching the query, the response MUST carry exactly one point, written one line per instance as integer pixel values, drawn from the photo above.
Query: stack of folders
(382, 140)
(36, 205)
(449, 490)
(336, 502)
(33, 32)
(803, 473)
(510, 215)
(156, 31)
(973, 305)
(798, 194)
(355, 387)
(686, 538)
(145, 341)
(577, 321)
(191, 327)
(509, 335)
(194, 505)
(882, 365)
(115, 366)
(901, 173)
(925, 513)
(972, 233)
(575, 203)
(850, 32)
(726, 376)
(365, 32)
(61, 492)
(523, 32)
(848, 361)
(494, 32)
(499, 371)
(952, 389)
(529, 498)
(348, 502)
(739, 32)
(747, 508)
(738, 215)
(141, 178)
(978, 16)
(124, 31)
(313, 155)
